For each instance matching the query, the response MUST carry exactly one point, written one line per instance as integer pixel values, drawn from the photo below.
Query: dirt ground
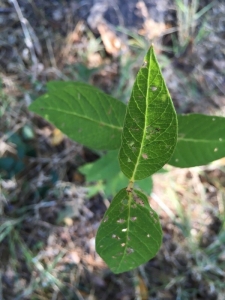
(47, 222)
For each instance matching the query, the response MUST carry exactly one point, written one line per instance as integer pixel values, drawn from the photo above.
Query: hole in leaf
(138, 200)
(106, 219)
(154, 88)
(114, 236)
(220, 139)
(176, 159)
(144, 155)
(101, 246)
(123, 244)
(128, 160)
(216, 149)
(124, 229)
(148, 235)
(120, 221)
(130, 250)
(213, 119)
(145, 63)
(131, 143)
(133, 218)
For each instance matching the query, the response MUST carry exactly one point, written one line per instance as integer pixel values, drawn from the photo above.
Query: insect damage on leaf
(132, 235)
(150, 128)
(148, 141)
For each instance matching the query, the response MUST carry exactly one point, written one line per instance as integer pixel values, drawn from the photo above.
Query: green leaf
(83, 113)
(150, 127)
(191, 135)
(130, 233)
(107, 169)
(201, 140)
(104, 168)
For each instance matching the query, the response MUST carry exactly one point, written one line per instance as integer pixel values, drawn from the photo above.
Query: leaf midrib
(85, 118)
(144, 130)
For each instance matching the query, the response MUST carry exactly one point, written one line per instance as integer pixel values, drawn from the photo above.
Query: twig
(51, 53)
(28, 31)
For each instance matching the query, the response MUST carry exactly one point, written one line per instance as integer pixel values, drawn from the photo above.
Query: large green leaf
(150, 127)
(201, 139)
(107, 169)
(83, 113)
(197, 144)
(130, 233)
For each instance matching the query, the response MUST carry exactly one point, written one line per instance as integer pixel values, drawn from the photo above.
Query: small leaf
(201, 140)
(107, 169)
(83, 113)
(130, 233)
(150, 127)
(104, 168)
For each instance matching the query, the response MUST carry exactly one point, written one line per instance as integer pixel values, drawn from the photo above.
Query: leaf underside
(130, 233)
(83, 113)
(201, 140)
(150, 127)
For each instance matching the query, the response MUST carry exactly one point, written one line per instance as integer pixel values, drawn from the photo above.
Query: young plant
(130, 233)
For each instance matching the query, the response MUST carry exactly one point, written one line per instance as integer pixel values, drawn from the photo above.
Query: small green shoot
(146, 133)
